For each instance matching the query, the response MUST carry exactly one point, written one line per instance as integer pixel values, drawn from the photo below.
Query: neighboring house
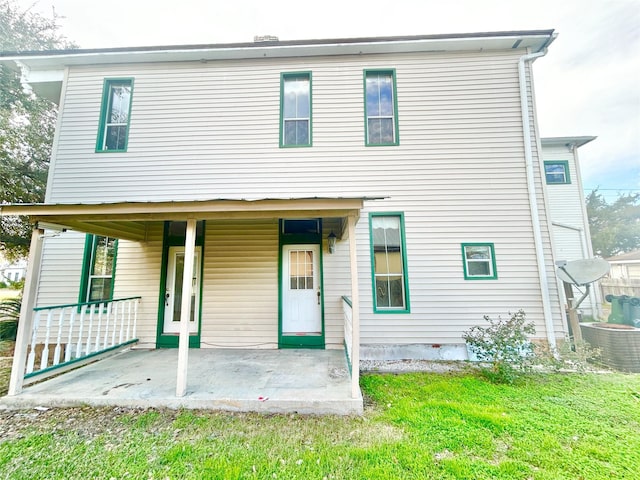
(12, 271)
(567, 207)
(624, 277)
(418, 156)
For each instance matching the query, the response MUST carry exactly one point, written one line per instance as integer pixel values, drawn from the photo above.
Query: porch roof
(128, 220)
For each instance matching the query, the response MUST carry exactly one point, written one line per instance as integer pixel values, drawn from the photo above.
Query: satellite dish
(583, 272)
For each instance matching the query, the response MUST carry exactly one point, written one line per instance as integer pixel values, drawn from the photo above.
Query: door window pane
(177, 294)
(301, 269)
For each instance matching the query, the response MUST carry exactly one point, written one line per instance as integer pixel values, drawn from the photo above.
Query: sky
(587, 85)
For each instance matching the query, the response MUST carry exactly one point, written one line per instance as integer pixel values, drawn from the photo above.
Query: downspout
(533, 202)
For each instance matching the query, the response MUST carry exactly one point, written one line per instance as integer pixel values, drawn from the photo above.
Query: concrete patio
(269, 381)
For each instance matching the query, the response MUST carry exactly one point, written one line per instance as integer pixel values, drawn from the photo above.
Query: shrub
(9, 316)
(576, 357)
(504, 345)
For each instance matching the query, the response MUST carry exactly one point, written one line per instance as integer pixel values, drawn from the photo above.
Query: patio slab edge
(343, 407)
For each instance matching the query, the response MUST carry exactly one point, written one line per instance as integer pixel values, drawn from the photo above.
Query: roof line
(578, 141)
(284, 43)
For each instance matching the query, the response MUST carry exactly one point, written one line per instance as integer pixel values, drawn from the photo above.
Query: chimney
(264, 38)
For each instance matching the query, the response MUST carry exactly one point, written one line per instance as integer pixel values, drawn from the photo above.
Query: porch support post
(185, 312)
(355, 310)
(25, 323)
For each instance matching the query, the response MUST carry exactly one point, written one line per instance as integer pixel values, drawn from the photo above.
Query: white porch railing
(348, 327)
(66, 334)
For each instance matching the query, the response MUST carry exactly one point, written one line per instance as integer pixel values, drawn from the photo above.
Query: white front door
(173, 291)
(301, 295)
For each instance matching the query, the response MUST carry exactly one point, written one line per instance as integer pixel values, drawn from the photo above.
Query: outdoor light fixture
(331, 240)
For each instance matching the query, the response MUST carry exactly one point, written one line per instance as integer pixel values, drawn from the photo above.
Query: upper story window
(389, 263)
(381, 107)
(557, 172)
(98, 270)
(295, 110)
(479, 261)
(115, 114)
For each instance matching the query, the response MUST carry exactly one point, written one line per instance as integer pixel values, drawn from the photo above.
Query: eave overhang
(566, 141)
(129, 220)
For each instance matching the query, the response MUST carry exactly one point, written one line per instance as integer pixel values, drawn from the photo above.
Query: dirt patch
(86, 422)
(399, 366)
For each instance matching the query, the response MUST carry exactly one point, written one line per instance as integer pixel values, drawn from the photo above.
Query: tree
(615, 228)
(27, 122)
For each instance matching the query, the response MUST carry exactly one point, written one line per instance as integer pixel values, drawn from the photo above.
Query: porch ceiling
(128, 220)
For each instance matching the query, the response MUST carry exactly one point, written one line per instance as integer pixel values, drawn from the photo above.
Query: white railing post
(56, 351)
(99, 328)
(44, 360)
(135, 318)
(31, 360)
(90, 333)
(69, 348)
(83, 309)
(129, 319)
(106, 325)
(115, 323)
(121, 322)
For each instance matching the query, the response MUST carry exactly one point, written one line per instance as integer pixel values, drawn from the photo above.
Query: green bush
(570, 356)
(17, 285)
(504, 345)
(9, 316)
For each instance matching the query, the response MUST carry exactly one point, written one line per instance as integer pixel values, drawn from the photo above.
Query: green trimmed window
(557, 172)
(389, 263)
(99, 268)
(479, 261)
(115, 115)
(381, 108)
(295, 109)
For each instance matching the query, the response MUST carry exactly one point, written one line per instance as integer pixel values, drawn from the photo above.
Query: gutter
(533, 202)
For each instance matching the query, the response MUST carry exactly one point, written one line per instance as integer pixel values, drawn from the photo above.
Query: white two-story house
(374, 194)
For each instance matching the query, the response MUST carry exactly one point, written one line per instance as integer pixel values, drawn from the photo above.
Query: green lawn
(416, 426)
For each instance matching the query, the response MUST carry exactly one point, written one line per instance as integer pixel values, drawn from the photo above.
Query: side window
(389, 263)
(479, 261)
(557, 172)
(98, 268)
(381, 108)
(295, 110)
(115, 114)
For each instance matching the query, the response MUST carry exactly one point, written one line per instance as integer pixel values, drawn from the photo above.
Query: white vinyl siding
(61, 268)
(240, 284)
(458, 176)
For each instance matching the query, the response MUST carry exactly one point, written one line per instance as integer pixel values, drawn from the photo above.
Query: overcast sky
(588, 84)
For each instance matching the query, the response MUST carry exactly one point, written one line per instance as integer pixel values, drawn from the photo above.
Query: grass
(417, 426)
